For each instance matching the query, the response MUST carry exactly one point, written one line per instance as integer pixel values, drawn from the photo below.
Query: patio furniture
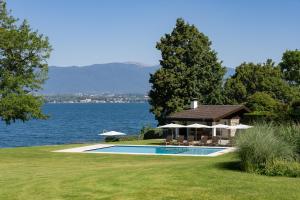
(168, 140)
(215, 140)
(197, 126)
(204, 139)
(180, 140)
(197, 142)
(190, 140)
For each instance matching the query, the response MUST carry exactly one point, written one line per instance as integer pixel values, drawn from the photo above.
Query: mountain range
(129, 77)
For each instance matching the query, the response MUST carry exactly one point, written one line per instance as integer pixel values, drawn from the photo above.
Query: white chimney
(194, 104)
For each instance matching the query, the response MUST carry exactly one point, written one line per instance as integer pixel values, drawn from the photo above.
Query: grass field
(36, 173)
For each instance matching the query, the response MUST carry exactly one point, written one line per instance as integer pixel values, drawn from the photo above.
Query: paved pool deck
(84, 148)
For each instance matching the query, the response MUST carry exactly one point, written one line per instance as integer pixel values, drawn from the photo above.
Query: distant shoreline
(98, 103)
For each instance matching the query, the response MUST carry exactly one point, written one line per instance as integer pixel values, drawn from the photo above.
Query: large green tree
(251, 78)
(23, 68)
(262, 102)
(290, 67)
(189, 69)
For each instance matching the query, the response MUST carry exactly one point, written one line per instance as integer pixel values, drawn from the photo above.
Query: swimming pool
(161, 150)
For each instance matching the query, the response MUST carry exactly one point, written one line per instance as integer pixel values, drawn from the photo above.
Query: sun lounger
(168, 140)
(215, 140)
(203, 140)
(190, 140)
(180, 140)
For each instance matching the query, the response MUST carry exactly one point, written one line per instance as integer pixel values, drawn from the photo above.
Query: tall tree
(189, 69)
(290, 67)
(23, 68)
(251, 78)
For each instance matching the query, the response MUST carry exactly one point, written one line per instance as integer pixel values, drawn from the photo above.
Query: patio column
(214, 130)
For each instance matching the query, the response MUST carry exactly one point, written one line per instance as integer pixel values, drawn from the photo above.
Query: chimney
(194, 104)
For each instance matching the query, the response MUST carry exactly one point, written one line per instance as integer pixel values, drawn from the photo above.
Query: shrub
(282, 168)
(259, 146)
(111, 139)
(147, 132)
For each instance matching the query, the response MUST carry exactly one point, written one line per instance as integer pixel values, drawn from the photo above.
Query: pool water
(161, 150)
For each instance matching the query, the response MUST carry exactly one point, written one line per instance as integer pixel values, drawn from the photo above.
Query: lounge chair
(168, 140)
(197, 142)
(203, 140)
(215, 140)
(190, 140)
(180, 140)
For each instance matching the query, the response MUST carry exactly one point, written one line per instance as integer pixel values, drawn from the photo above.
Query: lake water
(76, 123)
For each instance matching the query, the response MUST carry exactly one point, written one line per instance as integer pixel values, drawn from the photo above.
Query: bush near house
(112, 139)
(147, 132)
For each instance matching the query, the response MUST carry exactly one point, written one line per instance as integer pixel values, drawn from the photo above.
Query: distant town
(96, 98)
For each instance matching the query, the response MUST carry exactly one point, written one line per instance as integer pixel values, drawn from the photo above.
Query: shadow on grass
(230, 165)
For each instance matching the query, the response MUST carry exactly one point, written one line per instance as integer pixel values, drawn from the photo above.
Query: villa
(208, 115)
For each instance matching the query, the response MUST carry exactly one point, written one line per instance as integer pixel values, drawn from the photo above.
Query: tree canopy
(23, 68)
(290, 66)
(261, 101)
(189, 69)
(251, 78)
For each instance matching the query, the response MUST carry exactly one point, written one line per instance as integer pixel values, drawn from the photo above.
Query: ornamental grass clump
(262, 151)
(290, 133)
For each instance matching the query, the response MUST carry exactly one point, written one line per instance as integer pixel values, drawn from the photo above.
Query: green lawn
(37, 173)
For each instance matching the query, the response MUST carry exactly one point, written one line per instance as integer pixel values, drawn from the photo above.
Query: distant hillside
(111, 77)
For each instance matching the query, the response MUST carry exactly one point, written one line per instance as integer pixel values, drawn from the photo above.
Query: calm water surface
(159, 150)
(73, 123)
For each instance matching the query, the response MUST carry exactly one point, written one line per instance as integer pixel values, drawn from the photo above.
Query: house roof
(209, 112)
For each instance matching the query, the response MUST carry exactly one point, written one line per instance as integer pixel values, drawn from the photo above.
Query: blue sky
(84, 32)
